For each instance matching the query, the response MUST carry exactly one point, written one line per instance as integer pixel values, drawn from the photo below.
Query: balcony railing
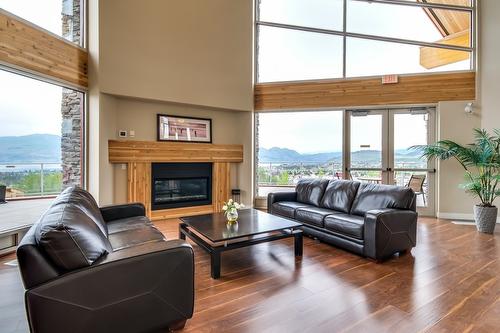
(32, 179)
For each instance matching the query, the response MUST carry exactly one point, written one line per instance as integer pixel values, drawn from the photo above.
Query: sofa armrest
(141, 288)
(279, 196)
(116, 212)
(387, 231)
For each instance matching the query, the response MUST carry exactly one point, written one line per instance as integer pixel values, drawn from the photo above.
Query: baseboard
(459, 216)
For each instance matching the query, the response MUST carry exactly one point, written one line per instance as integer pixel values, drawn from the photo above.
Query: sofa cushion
(349, 225)
(128, 223)
(86, 202)
(312, 215)
(310, 191)
(339, 195)
(287, 208)
(127, 238)
(70, 238)
(376, 196)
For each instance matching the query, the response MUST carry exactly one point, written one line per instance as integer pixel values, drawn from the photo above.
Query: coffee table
(212, 233)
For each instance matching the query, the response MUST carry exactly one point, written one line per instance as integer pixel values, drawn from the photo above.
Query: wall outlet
(122, 134)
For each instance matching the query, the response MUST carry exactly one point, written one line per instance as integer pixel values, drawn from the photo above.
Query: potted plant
(3, 189)
(481, 161)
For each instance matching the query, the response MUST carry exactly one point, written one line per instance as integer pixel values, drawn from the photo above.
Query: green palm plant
(481, 161)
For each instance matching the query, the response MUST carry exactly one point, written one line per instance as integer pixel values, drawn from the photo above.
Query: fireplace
(175, 185)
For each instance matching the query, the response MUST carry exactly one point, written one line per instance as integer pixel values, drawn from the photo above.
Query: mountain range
(275, 155)
(30, 148)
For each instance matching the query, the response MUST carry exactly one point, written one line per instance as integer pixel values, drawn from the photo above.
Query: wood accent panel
(27, 47)
(449, 22)
(221, 185)
(157, 215)
(412, 89)
(139, 184)
(140, 154)
(150, 151)
(431, 57)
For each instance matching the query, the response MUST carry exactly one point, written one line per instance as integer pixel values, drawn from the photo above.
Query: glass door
(379, 148)
(409, 128)
(367, 158)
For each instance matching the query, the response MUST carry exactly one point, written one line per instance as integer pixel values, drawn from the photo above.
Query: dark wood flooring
(449, 283)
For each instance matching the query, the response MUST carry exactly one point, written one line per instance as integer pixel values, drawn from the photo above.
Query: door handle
(388, 169)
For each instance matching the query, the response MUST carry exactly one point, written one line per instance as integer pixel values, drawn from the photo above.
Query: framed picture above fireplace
(175, 128)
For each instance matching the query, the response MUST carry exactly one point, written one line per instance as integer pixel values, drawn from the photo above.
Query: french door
(379, 150)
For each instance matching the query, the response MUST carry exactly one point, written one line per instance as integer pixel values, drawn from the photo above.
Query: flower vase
(232, 216)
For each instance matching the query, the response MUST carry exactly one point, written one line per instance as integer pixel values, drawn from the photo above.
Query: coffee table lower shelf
(215, 251)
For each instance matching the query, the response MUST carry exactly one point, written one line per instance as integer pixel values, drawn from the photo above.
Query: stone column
(71, 108)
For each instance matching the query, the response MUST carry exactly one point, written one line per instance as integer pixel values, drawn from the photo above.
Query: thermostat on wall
(122, 134)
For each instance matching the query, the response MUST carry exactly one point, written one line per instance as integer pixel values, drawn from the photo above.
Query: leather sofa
(91, 269)
(372, 220)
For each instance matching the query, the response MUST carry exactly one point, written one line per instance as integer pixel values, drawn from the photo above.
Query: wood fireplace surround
(139, 155)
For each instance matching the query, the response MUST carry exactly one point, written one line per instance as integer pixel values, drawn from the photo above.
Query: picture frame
(183, 129)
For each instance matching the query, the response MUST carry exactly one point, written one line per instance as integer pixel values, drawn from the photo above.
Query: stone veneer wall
(71, 108)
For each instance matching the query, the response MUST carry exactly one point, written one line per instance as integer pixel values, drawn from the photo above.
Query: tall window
(41, 137)
(320, 39)
(61, 17)
(293, 145)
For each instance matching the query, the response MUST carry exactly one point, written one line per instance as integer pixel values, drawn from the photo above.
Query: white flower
(224, 207)
(237, 205)
(230, 201)
(242, 206)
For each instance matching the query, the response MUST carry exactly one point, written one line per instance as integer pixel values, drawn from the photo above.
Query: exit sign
(388, 79)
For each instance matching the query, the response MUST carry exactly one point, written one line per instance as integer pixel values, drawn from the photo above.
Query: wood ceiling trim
(25, 47)
(412, 89)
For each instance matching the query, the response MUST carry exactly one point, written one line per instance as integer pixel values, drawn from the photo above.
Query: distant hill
(276, 154)
(30, 148)
(288, 155)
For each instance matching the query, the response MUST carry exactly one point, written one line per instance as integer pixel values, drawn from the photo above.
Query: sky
(29, 106)
(321, 131)
(286, 55)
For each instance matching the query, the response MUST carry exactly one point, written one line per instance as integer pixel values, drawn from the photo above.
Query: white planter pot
(486, 218)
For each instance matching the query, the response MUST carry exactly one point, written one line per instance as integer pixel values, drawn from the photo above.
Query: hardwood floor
(449, 283)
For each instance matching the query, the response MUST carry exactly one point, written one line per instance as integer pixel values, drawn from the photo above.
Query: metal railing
(31, 179)
(285, 173)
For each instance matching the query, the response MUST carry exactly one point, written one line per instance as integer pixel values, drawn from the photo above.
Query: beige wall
(454, 124)
(108, 126)
(184, 51)
(176, 52)
(489, 63)
(227, 128)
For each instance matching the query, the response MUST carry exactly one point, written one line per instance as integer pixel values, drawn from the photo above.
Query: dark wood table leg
(298, 243)
(181, 234)
(215, 264)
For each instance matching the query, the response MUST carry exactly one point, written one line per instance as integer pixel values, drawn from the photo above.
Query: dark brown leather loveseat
(91, 269)
(372, 220)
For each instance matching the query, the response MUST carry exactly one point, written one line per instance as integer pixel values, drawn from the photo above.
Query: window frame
(345, 34)
(83, 90)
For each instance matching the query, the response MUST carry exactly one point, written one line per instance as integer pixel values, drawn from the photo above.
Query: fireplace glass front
(176, 185)
(180, 190)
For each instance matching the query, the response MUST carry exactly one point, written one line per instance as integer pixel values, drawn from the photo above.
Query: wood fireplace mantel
(138, 155)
